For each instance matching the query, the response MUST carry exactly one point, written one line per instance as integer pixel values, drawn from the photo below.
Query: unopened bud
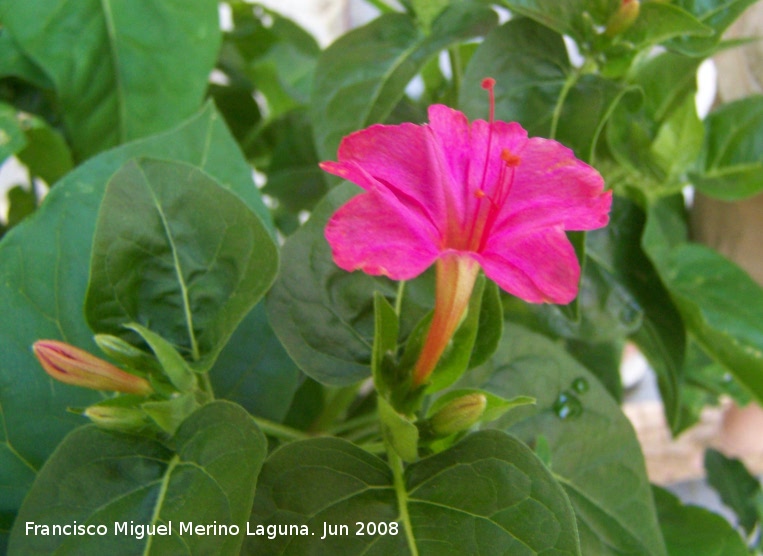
(124, 352)
(117, 418)
(623, 18)
(72, 365)
(459, 414)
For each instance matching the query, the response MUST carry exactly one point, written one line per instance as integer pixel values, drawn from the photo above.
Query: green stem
(572, 78)
(381, 6)
(454, 56)
(399, 298)
(280, 431)
(337, 403)
(402, 497)
(350, 425)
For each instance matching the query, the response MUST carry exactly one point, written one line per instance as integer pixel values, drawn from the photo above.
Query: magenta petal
(551, 188)
(538, 267)
(377, 234)
(399, 158)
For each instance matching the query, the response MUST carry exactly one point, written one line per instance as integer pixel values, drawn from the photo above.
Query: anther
(511, 160)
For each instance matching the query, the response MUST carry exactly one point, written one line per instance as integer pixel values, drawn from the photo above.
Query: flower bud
(623, 18)
(72, 365)
(459, 414)
(124, 352)
(117, 418)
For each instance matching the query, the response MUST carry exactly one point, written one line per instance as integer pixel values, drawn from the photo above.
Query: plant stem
(381, 6)
(361, 422)
(280, 431)
(337, 402)
(572, 78)
(454, 56)
(396, 464)
(399, 298)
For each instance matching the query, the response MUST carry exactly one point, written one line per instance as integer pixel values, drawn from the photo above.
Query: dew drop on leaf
(567, 406)
(580, 385)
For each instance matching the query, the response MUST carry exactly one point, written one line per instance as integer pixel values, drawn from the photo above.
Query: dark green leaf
(691, 530)
(397, 430)
(594, 451)
(719, 302)
(46, 154)
(322, 314)
(21, 203)
(530, 65)
(254, 370)
(174, 251)
(658, 22)
(42, 285)
(487, 495)
(361, 77)
(737, 487)
(13, 62)
(102, 478)
(103, 59)
(386, 330)
(731, 163)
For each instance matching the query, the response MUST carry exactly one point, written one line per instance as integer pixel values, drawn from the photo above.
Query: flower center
(491, 197)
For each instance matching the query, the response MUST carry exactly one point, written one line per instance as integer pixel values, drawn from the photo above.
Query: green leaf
(208, 258)
(594, 451)
(95, 477)
(46, 154)
(717, 14)
(14, 63)
(488, 494)
(576, 18)
(103, 60)
(12, 138)
(737, 487)
(658, 22)
(386, 330)
(172, 363)
(43, 280)
(691, 530)
(718, 301)
(428, 10)
(322, 314)
(531, 67)
(398, 431)
(362, 76)
(731, 165)
(254, 369)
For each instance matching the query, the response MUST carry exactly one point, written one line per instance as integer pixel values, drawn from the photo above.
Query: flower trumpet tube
(464, 195)
(72, 365)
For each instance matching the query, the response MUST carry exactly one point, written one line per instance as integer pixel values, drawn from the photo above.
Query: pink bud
(623, 18)
(72, 365)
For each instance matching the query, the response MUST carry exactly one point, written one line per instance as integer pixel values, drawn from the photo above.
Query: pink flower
(72, 365)
(464, 196)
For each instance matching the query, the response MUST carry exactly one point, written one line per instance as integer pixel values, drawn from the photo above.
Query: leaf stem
(383, 7)
(396, 464)
(280, 431)
(399, 298)
(572, 78)
(454, 56)
(337, 403)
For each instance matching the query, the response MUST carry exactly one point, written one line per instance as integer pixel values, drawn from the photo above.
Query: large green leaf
(117, 77)
(363, 75)
(206, 475)
(176, 252)
(43, 278)
(693, 531)
(594, 451)
(323, 314)
(739, 489)
(487, 495)
(254, 369)
(731, 164)
(719, 302)
(533, 75)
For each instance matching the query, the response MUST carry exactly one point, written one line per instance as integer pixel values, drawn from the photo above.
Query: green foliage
(139, 222)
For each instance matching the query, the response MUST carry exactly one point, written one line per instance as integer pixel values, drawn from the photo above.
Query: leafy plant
(280, 396)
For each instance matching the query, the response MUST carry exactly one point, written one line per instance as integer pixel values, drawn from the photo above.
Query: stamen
(489, 85)
(512, 160)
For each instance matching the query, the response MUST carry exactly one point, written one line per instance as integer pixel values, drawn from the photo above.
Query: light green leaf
(717, 14)
(207, 257)
(207, 475)
(488, 494)
(172, 363)
(398, 431)
(12, 138)
(658, 22)
(43, 280)
(595, 454)
(363, 75)
(105, 62)
(718, 301)
(576, 18)
(731, 164)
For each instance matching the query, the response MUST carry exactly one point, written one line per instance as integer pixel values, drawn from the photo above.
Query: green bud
(117, 418)
(623, 18)
(124, 352)
(458, 415)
